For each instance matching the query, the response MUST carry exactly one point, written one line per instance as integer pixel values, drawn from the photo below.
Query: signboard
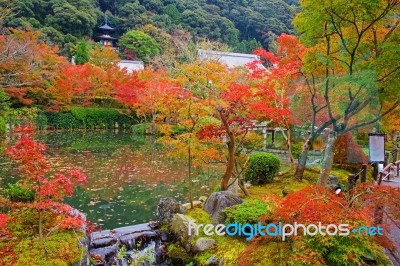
(376, 148)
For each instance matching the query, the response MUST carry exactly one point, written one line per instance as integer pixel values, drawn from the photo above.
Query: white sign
(376, 148)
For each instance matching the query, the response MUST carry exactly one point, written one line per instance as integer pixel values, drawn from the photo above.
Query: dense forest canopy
(241, 24)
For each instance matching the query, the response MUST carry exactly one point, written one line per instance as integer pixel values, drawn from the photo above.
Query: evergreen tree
(82, 53)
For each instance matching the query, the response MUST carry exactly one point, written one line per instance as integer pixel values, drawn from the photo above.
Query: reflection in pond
(125, 178)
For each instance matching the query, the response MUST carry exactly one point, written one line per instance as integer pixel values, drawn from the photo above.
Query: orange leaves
(83, 84)
(26, 64)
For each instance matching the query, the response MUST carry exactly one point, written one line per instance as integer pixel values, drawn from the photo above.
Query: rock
(166, 209)
(180, 228)
(212, 261)
(164, 236)
(218, 201)
(203, 244)
(203, 198)
(102, 239)
(161, 254)
(333, 181)
(135, 236)
(104, 256)
(196, 204)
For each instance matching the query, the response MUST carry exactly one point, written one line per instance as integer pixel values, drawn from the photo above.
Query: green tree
(82, 53)
(144, 46)
(173, 13)
(344, 66)
(248, 46)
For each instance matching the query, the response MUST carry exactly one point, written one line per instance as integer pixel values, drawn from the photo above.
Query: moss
(199, 215)
(226, 249)
(285, 183)
(269, 253)
(178, 252)
(61, 248)
(342, 174)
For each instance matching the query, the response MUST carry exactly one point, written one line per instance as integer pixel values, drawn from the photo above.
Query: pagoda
(105, 38)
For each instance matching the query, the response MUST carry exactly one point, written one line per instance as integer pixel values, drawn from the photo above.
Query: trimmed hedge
(3, 128)
(262, 168)
(89, 118)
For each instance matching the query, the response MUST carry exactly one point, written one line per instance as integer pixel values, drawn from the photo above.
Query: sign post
(376, 143)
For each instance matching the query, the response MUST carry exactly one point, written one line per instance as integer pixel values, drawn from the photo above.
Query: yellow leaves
(104, 57)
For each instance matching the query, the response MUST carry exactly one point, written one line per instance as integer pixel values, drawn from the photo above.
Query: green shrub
(17, 194)
(100, 117)
(247, 212)
(88, 118)
(262, 168)
(296, 149)
(41, 121)
(3, 128)
(139, 129)
(63, 121)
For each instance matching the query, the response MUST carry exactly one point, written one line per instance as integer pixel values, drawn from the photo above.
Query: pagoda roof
(106, 37)
(106, 27)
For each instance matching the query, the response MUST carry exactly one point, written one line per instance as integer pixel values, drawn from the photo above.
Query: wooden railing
(386, 171)
(353, 178)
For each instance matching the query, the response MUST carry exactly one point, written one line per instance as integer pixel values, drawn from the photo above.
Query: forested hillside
(241, 24)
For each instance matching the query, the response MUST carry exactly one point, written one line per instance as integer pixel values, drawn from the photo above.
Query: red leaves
(316, 204)
(3, 221)
(237, 95)
(128, 89)
(34, 166)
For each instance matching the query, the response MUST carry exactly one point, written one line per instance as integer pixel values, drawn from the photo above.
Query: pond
(127, 174)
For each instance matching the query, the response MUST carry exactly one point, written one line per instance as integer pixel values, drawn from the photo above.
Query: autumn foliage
(316, 204)
(27, 64)
(49, 189)
(348, 151)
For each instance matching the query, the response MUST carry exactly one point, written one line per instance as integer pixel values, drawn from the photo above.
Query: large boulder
(217, 202)
(166, 209)
(180, 228)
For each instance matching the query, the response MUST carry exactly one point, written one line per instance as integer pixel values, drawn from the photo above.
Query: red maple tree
(49, 190)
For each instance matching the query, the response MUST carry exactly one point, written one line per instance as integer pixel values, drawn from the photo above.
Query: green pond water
(127, 175)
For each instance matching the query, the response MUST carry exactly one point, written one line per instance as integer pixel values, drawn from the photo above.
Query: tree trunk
(328, 160)
(40, 225)
(289, 144)
(302, 161)
(230, 164)
(190, 177)
(243, 187)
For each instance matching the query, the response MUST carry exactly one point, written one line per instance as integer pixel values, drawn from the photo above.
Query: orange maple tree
(27, 66)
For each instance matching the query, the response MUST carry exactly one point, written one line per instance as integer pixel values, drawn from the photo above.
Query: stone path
(394, 228)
